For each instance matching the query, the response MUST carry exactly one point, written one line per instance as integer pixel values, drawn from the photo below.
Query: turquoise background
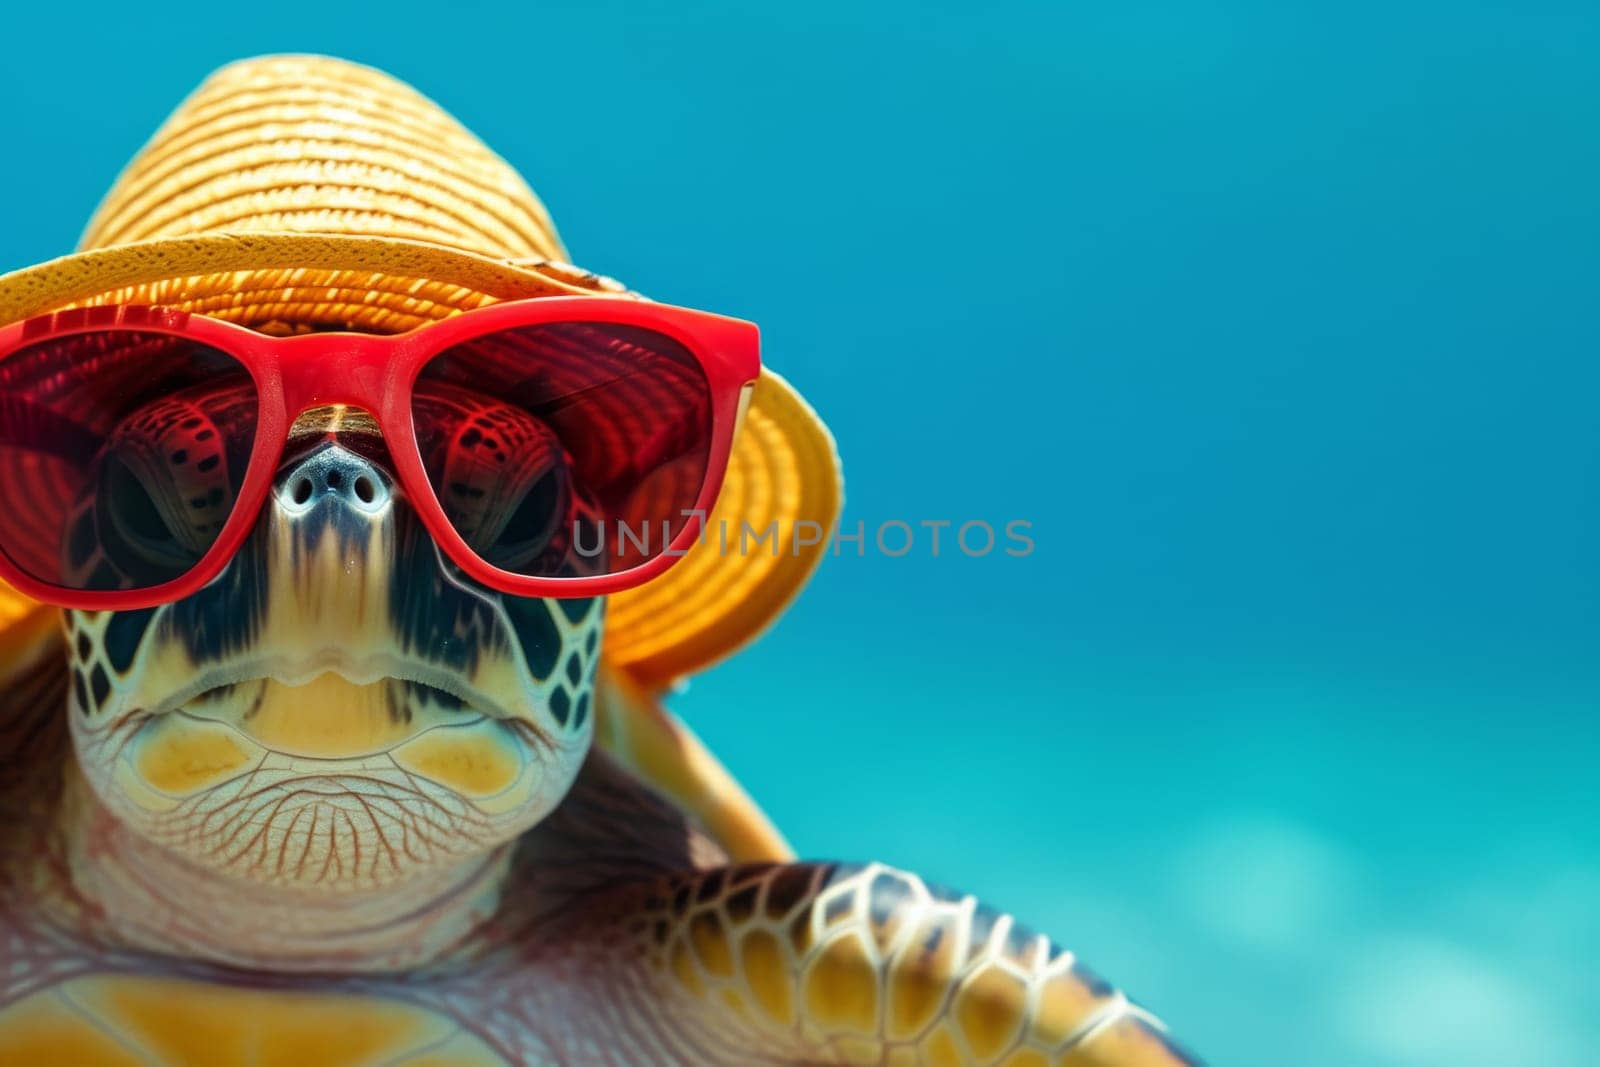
(1278, 323)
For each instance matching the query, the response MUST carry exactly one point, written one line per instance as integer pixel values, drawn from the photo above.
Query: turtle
(344, 805)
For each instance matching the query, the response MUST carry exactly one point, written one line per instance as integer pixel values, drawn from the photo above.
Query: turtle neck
(139, 895)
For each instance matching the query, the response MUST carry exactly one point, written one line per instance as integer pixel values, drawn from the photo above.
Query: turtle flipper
(633, 727)
(819, 963)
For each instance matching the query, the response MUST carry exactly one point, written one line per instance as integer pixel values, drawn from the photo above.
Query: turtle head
(342, 707)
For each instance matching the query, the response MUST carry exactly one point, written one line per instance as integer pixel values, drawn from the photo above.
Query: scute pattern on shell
(874, 966)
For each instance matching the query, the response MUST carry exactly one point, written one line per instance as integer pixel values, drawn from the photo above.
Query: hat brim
(783, 469)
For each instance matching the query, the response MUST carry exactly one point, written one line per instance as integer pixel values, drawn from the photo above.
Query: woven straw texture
(292, 193)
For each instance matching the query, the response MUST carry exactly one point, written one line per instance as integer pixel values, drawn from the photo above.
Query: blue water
(1280, 328)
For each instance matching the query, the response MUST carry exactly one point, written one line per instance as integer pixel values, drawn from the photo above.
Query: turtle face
(341, 707)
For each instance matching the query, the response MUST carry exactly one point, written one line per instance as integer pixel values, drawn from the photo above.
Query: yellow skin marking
(109, 1022)
(477, 761)
(326, 718)
(761, 957)
(180, 756)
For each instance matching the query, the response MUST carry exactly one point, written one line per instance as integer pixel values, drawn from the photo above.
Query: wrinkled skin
(341, 807)
(315, 724)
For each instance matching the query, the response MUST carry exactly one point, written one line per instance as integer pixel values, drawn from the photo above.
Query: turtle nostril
(335, 476)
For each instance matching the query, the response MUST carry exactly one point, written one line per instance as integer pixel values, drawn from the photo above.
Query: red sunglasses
(559, 446)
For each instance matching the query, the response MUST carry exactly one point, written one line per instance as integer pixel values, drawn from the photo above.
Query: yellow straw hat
(300, 192)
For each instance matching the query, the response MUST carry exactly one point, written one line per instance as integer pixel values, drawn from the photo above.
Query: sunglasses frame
(377, 372)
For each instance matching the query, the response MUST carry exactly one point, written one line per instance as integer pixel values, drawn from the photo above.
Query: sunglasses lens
(566, 450)
(121, 454)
